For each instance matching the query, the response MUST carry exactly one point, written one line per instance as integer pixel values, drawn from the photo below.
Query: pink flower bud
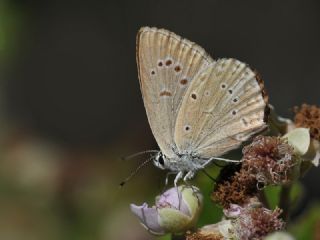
(175, 211)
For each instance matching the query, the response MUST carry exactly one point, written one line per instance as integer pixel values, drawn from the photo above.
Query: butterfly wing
(167, 65)
(224, 105)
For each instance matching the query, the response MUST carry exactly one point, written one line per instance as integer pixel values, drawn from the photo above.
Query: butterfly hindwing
(167, 65)
(224, 106)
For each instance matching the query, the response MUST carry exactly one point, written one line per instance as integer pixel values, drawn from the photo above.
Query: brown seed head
(308, 116)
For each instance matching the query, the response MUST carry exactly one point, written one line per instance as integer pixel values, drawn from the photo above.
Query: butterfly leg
(188, 176)
(206, 163)
(167, 177)
(178, 177)
(176, 180)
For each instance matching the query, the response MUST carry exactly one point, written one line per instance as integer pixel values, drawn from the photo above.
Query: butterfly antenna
(138, 154)
(136, 171)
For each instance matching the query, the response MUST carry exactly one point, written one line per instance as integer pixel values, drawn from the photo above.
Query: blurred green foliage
(166, 237)
(211, 212)
(10, 19)
(273, 195)
(308, 225)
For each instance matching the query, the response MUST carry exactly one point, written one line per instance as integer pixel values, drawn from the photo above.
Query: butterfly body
(184, 165)
(198, 108)
(182, 162)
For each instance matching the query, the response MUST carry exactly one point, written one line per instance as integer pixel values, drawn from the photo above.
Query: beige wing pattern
(224, 106)
(167, 65)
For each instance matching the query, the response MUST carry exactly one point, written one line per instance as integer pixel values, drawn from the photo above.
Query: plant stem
(285, 202)
(263, 199)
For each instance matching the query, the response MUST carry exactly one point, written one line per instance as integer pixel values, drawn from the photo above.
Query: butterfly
(198, 108)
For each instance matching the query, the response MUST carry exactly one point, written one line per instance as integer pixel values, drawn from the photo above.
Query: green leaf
(211, 212)
(273, 194)
(10, 21)
(296, 194)
(165, 237)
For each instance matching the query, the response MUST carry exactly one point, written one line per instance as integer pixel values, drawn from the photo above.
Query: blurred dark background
(70, 99)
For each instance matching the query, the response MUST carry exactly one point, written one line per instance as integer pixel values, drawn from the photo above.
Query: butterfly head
(160, 161)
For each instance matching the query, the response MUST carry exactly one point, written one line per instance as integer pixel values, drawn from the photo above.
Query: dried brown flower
(204, 236)
(251, 221)
(219, 231)
(238, 189)
(269, 159)
(308, 116)
(256, 223)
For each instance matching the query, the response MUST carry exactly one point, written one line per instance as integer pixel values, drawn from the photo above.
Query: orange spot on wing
(165, 93)
(168, 62)
(177, 68)
(183, 81)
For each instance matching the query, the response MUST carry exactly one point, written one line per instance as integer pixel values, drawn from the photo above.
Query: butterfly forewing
(167, 65)
(224, 105)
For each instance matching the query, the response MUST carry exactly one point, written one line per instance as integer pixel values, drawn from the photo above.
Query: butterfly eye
(161, 161)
